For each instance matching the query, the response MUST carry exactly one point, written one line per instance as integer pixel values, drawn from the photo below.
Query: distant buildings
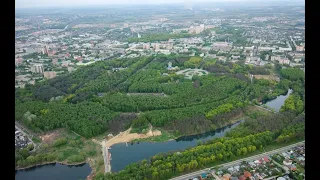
(45, 50)
(156, 46)
(49, 74)
(285, 49)
(196, 29)
(146, 46)
(284, 61)
(299, 48)
(224, 46)
(55, 61)
(266, 48)
(18, 61)
(37, 68)
(275, 58)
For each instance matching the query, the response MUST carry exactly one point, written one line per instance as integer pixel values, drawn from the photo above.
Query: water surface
(279, 101)
(54, 172)
(122, 154)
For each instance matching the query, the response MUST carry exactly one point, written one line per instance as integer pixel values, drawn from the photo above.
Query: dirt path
(127, 137)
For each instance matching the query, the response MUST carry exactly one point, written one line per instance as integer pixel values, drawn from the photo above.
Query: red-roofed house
(67, 55)
(79, 58)
(242, 177)
(51, 53)
(266, 159)
(18, 61)
(247, 174)
(293, 167)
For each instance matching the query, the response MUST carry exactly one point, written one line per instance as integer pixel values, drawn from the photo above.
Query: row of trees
(292, 74)
(293, 103)
(273, 122)
(292, 132)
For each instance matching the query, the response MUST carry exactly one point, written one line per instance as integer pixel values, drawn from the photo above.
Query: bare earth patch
(127, 137)
(49, 137)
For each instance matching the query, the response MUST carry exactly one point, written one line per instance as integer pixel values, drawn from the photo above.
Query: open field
(267, 77)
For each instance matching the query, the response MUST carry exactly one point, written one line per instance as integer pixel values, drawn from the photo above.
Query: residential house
(247, 174)
(242, 177)
(226, 177)
(293, 167)
(266, 159)
(287, 162)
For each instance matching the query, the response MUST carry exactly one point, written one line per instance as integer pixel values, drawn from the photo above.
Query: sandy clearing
(50, 136)
(127, 137)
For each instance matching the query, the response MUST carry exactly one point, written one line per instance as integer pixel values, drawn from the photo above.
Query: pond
(279, 101)
(54, 171)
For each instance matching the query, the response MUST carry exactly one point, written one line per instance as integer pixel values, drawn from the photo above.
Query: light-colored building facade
(49, 74)
(37, 68)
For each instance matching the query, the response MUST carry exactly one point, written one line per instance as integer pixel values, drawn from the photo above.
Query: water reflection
(123, 155)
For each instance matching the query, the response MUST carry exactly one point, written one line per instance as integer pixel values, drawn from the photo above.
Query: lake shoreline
(88, 161)
(238, 120)
(53, 162)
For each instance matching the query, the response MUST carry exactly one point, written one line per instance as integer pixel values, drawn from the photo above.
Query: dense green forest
(95, 99)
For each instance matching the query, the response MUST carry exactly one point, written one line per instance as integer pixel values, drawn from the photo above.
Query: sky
(70, 3)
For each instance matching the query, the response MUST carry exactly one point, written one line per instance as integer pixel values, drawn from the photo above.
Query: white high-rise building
(202, 26)
(157, 46)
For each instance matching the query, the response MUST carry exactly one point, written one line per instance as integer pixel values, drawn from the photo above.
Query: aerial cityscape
(180, 91)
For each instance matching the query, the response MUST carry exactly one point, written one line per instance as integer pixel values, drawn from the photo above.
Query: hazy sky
(51, 3)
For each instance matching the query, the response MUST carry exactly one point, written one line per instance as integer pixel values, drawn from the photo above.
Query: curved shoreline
(88, 160)
(53, 162)
(92, 173)
(236, 121)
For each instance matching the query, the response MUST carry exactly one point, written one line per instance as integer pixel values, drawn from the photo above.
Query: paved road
(251, 158)
(25, 134)
(105, 157)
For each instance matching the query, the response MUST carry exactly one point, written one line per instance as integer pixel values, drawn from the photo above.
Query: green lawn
(277, 145)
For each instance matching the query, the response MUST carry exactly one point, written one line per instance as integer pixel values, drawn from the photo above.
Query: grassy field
(275, 145)
(267, 77)
(210, 62)
(254, 111)
(195, 60)
(74, 149)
